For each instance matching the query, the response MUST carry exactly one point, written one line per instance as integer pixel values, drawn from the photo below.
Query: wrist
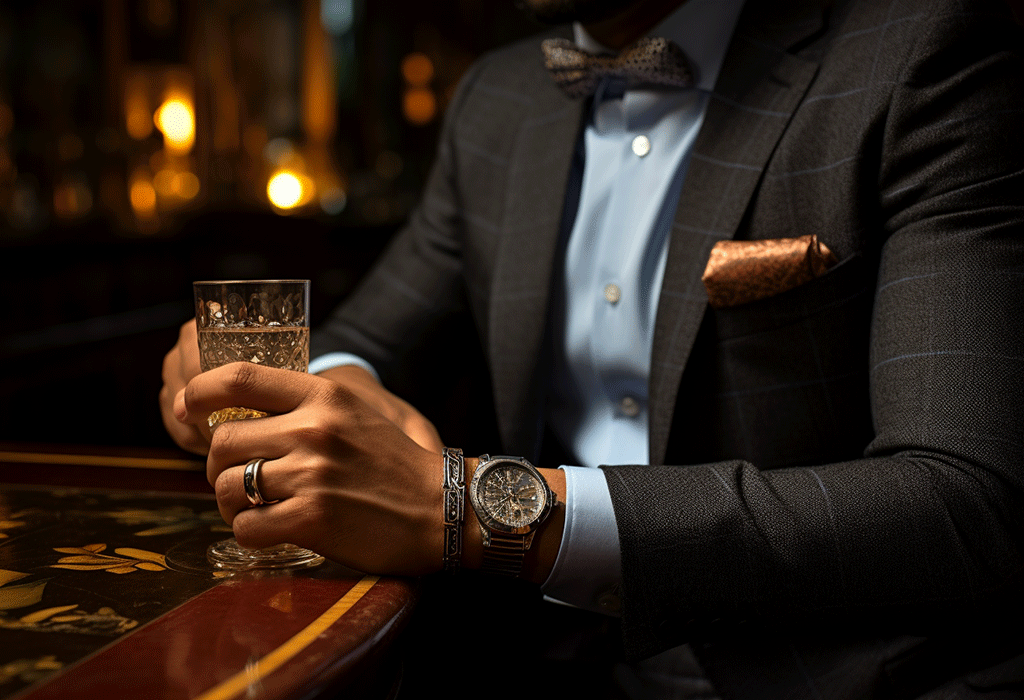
(472, 540)
(543, 552)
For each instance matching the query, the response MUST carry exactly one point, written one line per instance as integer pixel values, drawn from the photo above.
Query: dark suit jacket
(851, 497)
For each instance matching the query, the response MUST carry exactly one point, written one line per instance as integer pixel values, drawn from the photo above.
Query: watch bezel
(480, 507)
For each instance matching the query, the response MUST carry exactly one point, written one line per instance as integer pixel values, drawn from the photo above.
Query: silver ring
(249, 479)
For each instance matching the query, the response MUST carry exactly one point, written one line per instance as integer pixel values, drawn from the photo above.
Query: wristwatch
(511, 499)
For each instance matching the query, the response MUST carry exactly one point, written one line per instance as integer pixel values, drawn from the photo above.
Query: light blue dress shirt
(637, 150)
(637, 147)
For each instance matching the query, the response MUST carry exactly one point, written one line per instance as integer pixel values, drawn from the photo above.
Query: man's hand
(352, 484)
(181, 364)
(401, 413)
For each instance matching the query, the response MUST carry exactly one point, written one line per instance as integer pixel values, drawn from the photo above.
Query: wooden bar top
(105, 591)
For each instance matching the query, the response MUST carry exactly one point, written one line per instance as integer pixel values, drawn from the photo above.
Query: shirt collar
(701, 28)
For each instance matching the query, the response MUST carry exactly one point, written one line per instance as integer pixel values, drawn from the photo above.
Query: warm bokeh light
(72, 199)
(417, 69)
(174, 183)
(287, 189)
(185, 185)
(138, 120)
(162, 182)
(176, 120)
(419, 105)
(318, 96)
(143, 198)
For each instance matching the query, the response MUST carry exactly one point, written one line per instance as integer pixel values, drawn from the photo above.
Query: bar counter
(105, 591)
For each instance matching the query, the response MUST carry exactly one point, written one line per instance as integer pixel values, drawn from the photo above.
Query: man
(847, 520)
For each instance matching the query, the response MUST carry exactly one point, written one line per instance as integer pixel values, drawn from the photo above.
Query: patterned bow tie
(649, 61)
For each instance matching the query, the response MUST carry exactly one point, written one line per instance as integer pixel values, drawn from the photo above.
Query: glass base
(230, 556)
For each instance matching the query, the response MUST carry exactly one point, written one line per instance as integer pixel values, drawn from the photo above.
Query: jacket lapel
(758, 90)
(521, 286)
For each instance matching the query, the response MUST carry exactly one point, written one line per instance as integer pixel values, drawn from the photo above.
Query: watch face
(512, 495)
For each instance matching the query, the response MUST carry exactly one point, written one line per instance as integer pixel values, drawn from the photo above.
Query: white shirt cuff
(339, 359)
(587, 571)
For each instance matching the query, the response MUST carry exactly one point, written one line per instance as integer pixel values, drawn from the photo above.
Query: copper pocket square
(740, 272)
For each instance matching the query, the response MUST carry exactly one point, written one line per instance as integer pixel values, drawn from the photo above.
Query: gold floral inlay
(19, 596)
(29, 670)
(70, 619)
(9, 524)
(90, 558)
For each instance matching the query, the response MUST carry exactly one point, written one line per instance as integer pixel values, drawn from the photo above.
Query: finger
(241, 441)
(187, 437)
(181, 363)
(188, 344)
(178, 407)
(193, 436)
(265, 526)
(170, 371)
(230, 488)
(188, 332)
(267, 389)
(230, 491)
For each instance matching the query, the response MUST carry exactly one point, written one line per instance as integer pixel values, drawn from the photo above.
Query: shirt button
(612, 293)
(641, 146)
(629, 406)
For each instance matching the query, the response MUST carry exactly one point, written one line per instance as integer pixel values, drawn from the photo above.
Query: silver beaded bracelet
(454, 507)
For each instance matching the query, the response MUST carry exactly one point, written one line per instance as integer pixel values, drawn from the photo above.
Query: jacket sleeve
(417, 283)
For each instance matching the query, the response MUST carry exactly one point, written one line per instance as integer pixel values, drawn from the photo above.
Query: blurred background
(145, 144)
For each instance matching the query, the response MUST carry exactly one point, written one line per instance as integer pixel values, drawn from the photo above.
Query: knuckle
(311, 479)
(167, 368)
(393, 413)
(334, 394)
(227, 498)
(315, 437)
(419, 423)
(245, 533)
(304, 482)
(244, 377)
(222, 444)
(192, 394)
(224, 497)
(224, 487)
(316, 510)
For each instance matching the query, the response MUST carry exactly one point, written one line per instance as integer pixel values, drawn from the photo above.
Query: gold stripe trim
(190, 465)
(262, 668)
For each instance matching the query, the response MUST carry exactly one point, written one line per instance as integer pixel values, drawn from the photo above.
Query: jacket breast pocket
(792, 370)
